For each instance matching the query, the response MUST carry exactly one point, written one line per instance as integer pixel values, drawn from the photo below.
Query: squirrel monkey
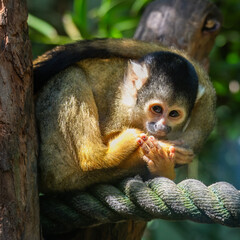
(108, 108)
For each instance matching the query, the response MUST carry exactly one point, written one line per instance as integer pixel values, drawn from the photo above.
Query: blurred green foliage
(85, 19)
(53, 22)
(91, 19)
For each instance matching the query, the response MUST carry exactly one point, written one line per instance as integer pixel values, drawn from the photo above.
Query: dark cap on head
(171, 77)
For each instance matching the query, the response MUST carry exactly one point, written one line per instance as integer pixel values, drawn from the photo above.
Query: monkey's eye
(174, 114)
(157, 109)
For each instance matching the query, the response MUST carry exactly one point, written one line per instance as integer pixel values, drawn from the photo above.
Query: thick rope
(137, 200)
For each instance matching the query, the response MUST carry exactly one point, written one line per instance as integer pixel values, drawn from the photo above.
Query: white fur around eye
(186, 125)
(201, 91)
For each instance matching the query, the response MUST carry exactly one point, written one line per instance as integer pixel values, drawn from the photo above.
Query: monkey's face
(163, 119)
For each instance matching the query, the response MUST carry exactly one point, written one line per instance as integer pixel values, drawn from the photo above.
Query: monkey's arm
(71, 141)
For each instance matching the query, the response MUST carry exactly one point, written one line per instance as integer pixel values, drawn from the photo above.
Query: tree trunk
(19, 212)
(185, 24)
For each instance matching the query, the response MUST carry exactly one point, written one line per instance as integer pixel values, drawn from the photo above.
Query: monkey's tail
(61, 57)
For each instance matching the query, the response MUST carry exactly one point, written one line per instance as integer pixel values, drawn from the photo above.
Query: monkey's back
(91, 87)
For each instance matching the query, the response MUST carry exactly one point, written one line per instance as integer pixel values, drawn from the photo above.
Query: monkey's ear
(137, 74)
(201, 91)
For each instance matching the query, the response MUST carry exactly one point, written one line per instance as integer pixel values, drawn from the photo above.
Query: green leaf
(138, 5)
(233, 58)
(115, 33)
(70, 27)
(80, 12)
(221, 40)
(42, 27)
(126, 24)
(220, 88)
(79, 16)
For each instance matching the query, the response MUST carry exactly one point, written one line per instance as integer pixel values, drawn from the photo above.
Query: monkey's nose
(159, 127)
(162, 121)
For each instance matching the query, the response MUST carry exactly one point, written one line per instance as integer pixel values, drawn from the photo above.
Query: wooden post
(19, 212)
(185, 24)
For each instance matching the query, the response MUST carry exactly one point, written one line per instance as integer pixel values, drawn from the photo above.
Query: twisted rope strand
(137, 200)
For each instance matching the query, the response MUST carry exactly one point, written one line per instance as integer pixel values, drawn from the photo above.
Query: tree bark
(19, 212)
(184, 24)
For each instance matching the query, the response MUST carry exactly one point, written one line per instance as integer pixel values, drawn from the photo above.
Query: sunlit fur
(87, 129)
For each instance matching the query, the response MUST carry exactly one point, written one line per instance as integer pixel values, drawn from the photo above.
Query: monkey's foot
(159, 159)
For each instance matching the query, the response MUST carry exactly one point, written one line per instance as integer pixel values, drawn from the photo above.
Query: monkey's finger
(150, 144)
(153, 142)
(172, 152)
(181, 159)
(144, 136)
(172, 149)
(146, 159)
(166, 155)
(152, 139)
(184, 151)
(153, 152)
(177, 142)
(158, 145)
(139, 141)
(162, 151)
(151, 164)
(144, 146)
(147, 140)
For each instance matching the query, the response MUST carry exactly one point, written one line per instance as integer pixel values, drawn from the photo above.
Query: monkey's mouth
(156, 131)
(159, 134)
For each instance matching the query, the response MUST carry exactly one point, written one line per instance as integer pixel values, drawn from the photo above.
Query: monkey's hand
(159, 161)
(180, 152)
